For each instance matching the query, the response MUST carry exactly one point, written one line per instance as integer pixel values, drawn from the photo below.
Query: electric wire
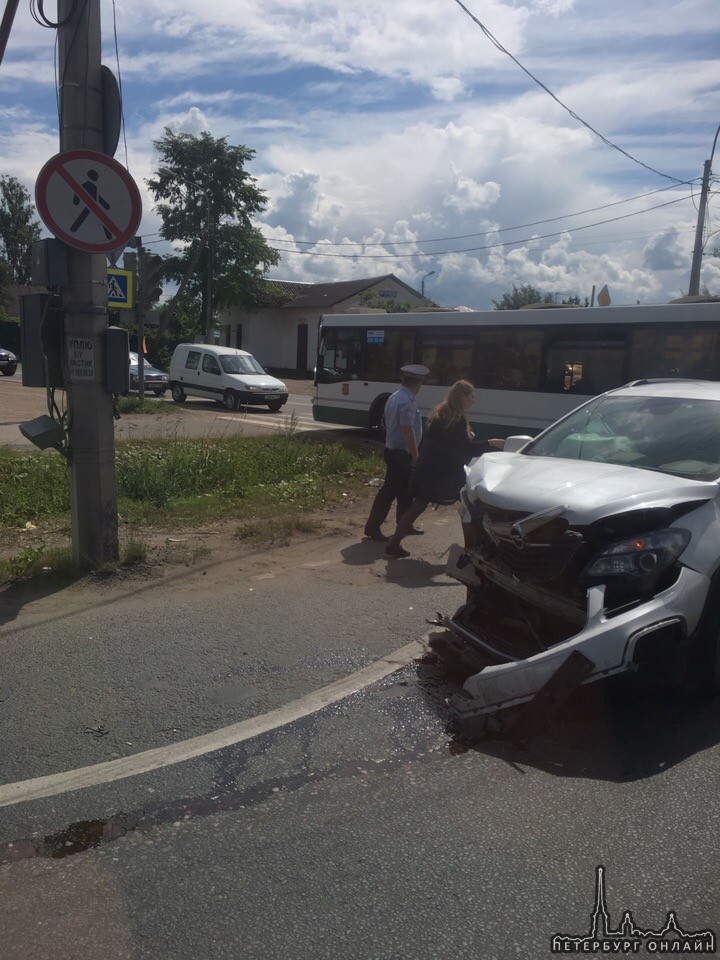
(37, 12)
(496, 43)
(486, 233)
(489, 246)
(119, 78)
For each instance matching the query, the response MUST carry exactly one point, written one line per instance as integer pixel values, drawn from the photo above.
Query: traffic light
(149, 273)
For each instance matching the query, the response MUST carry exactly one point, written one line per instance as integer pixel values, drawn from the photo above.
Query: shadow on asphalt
(407, 572)
(15, 596)
(609, 731)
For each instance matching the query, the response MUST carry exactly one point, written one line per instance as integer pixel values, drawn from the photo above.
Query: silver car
(592, 550)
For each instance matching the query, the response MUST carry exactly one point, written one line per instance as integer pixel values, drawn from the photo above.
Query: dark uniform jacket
(439, 474)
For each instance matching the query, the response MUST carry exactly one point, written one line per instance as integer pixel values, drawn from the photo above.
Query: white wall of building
(271, 334)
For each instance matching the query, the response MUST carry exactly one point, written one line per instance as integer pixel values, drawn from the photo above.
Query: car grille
(542, 556)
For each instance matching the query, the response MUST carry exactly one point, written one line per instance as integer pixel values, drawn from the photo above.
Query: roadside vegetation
(269, 485)
(136, 405)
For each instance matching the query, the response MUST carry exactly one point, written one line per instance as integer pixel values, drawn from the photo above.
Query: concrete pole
(209, 324)
(93, 486)
(694, 288)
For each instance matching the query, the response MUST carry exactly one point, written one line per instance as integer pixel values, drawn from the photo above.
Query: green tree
(526, 294)
(521, 297)
(18, 231)
(373, 300)
(205, 196)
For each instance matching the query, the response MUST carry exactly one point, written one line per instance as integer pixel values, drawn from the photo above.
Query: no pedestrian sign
(88, 200)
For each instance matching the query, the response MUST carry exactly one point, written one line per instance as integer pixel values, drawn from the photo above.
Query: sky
(394, 137)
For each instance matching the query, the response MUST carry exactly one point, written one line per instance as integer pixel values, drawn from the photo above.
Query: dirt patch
(187, 546)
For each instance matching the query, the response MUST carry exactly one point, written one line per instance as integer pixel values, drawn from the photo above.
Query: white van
(231, 377)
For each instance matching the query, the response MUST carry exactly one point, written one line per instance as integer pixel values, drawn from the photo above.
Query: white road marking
(83, 777)
(306, 423)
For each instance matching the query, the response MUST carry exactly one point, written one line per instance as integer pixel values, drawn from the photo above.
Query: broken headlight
(642, 556)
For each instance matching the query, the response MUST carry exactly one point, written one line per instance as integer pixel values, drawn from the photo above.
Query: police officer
(403, 431)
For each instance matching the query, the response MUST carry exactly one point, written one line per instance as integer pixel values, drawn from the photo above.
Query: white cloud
(398, 125)
(447, 88)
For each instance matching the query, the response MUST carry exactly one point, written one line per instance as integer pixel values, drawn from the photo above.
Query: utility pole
(694, 288)
(93, 485)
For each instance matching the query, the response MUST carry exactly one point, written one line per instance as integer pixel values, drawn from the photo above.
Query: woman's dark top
(439, 474)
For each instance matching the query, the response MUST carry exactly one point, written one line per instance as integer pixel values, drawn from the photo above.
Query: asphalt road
(194, 418)
(362, 829)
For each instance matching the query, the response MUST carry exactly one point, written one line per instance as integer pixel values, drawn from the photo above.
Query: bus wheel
(376, 422)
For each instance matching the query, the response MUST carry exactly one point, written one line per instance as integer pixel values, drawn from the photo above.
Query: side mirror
(513, 444)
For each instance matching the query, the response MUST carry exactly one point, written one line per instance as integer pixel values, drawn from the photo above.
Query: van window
(210, 364)
(193, 358)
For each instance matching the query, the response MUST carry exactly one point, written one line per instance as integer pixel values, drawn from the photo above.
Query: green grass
(136, 405)
(190, 482)
(55, 563)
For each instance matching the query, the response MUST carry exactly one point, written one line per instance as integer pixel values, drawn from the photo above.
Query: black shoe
(416, 533)
(395, 550)
(376, 535)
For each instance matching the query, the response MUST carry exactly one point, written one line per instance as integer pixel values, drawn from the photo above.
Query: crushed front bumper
(655, 630)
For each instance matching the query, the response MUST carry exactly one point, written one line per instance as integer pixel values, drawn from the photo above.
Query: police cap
(415, 371)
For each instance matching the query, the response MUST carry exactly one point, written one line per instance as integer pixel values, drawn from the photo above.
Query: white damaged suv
(599, 537)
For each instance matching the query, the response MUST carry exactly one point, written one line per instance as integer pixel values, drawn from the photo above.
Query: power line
(486, 233)
(489, 246)
(496, 43)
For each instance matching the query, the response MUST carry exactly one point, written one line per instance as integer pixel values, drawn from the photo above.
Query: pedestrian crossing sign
(120, 289)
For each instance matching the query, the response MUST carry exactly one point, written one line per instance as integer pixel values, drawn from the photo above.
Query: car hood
(588, 490)
(262, 381)
(134, 368)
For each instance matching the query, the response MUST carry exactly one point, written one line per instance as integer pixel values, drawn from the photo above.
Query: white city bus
(528, 366)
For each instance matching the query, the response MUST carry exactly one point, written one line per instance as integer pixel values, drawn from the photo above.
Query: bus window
(507, 359)
(340, 355)
(658, 353)
(449, 358)
(383, 360)
(588, 367)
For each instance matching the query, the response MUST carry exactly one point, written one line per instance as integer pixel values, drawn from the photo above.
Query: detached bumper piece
(530, 719)
(474, 717)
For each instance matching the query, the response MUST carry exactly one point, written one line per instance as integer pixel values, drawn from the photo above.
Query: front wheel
(275, 406)
(178, 394)
(230, 400)
(9, 371)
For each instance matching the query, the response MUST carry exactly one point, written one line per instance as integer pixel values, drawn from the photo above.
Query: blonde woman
(448, 444)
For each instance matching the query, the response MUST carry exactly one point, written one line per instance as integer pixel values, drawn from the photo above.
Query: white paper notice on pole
(81, 358)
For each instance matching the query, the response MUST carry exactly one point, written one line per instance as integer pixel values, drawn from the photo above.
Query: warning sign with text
(81, 358)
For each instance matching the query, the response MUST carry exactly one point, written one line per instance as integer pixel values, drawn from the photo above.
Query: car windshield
(240, 364)
(133, 358)
(673, 435)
